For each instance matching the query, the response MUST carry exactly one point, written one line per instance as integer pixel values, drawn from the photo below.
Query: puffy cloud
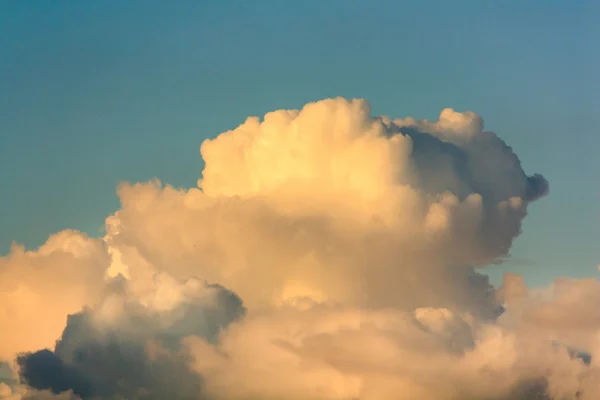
(386, 354)
(333, 204)
(565, 311)
(38, 289)
(129, 349)
(14, 391)
(355, 244)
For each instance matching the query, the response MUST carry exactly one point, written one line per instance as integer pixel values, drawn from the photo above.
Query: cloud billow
(346, 252)
(136, 353)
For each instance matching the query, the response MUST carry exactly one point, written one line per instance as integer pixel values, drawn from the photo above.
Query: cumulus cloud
(38, 289)
(333, 204)
(344, 253)
(358, 354)
(130, 349)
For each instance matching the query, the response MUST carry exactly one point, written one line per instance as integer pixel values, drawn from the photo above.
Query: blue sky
(93, 93)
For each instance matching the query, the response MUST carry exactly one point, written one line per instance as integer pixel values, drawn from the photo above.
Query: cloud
(38, 289)
(331, 203)
(132, 350)
(347, 354)
(345, 254)
(565, 310)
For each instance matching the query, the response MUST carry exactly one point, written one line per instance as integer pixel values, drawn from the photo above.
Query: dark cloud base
(135, 360)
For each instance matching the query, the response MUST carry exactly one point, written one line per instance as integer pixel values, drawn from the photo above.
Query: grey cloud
(138, 358)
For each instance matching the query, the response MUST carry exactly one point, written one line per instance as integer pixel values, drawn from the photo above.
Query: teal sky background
(97, 92)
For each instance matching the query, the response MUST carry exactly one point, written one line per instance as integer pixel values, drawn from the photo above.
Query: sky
(92, 94)
(336, 180)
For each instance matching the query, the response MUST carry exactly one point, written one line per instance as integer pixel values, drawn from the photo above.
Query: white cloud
(354, 243)
(38, 289)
